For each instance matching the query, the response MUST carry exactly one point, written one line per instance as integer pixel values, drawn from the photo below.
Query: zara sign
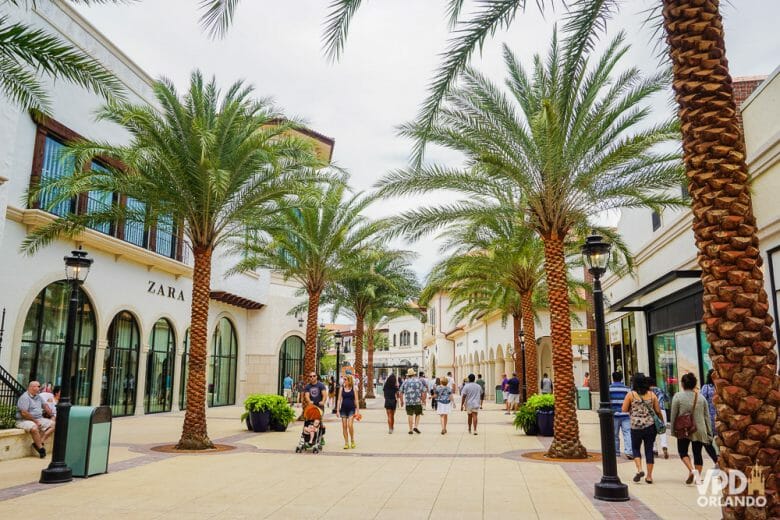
(165, 290)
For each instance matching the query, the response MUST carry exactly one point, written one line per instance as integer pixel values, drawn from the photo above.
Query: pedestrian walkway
(425, 475)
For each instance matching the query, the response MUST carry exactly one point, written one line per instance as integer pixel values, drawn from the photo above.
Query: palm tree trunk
(735, 303)
(310, 353)
(531, 365)
(194, 435)
(370, 366)
(359, 359)
(566, 441)
(516, 326)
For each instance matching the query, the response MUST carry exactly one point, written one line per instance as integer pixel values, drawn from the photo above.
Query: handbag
(684, 424)
(660, 425)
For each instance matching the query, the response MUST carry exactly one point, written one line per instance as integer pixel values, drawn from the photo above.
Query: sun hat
(411, 372)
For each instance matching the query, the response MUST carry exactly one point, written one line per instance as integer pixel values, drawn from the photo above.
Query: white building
(655, 319)
(134, 313)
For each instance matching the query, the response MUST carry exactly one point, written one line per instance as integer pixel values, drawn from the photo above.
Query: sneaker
(390, 430)
(629, 456)
(666, 453)
(352, 445)
(416, 430)
(506, 413)
(346, 446)
(411, 432)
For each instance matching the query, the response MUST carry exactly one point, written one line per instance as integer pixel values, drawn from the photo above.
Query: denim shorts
(346, 414)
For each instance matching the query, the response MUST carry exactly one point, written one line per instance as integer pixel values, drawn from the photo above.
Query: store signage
(580, 337)
(167, 291)
(615, 332)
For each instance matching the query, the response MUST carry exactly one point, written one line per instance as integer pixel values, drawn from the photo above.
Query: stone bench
(16, 443)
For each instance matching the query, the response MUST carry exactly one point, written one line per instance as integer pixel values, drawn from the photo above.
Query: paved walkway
(387, 476)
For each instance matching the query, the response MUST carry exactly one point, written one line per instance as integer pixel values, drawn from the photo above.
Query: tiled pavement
(400, 476)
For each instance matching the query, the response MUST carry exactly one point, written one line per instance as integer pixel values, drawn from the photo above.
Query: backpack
(684, 424)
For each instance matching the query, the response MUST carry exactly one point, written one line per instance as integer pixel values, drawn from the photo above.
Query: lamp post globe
(595, 253)
(76, 270)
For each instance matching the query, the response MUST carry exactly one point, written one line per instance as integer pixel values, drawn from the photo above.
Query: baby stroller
(313, 434)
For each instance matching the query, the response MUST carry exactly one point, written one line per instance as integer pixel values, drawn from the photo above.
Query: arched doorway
(545, 357)
(222, 364)
(290, 360)
(43, 341)
(159, 368)
(185, 371)
(120, 367)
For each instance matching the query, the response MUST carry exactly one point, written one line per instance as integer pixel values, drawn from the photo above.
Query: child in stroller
(312, 436)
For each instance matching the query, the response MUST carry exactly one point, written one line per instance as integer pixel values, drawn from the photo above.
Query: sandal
(639, 476)
(689, 480)
(649, 481)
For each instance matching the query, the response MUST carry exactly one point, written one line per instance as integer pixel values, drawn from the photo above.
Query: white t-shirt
(48, 400)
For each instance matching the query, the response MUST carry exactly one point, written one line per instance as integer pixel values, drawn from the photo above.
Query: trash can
(499, 395)
(89, 437)
(583, 398)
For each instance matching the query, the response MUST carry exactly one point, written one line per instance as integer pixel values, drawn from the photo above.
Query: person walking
(432, 392)
(586, 380)
(481, 383)
(546, 386)
(621, 420)
(347, 406)
(689, 408)
(471, 394)
(444, 402)
(413, 398)
(663, 399)
(287, 388)
(641, 404)
(513, 398)
(708, 393)
(390, 390)
(505, 391)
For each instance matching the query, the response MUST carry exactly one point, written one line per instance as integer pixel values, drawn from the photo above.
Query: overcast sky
(390, 57)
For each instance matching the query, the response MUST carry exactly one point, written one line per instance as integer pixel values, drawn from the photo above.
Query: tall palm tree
(26, 54)
(310, 243)
(370, 280)
(209, 161)
(563, 139)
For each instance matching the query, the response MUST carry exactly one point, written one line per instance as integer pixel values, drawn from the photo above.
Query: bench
(16, 444)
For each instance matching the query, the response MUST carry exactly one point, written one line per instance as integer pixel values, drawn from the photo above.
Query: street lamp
(521, 335)
(338, 371)
(76, 271)
(595, 253)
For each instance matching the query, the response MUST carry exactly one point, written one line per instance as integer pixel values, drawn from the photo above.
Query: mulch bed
(171, 448)
(541, 456)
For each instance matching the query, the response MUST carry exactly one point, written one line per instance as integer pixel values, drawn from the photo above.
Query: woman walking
(434, 386)
(347, 405)
(691, 409)
(641, 404)
(443, 402)
(390, 389)
(708, 392)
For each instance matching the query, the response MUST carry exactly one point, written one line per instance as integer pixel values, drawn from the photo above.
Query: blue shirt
(617, 393)
(287, 383)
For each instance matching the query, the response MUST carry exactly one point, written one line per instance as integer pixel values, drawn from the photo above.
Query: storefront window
(159, 368)
(222, 365)
(185, 371)
(665, 363)
(120, 368)
(705, 350)
(43, 342)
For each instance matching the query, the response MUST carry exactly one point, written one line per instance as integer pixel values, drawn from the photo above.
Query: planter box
(278, 427)
(261, 421)
(545, 420)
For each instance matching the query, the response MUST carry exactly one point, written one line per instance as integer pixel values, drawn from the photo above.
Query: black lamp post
(595, 253)
(76, 271)
(521, 334)
(338, 372)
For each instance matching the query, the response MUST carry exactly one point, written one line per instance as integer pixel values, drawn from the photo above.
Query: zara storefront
(131, 344)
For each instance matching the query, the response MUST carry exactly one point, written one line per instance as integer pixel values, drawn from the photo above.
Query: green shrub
(7, 417)
(525, 417)
(541, 402)
(281, 412)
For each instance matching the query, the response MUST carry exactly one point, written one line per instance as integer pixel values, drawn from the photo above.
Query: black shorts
(391, 404)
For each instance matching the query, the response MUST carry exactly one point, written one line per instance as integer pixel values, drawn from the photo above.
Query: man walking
(413, 396)
(513, 399)
(481, 383)
(452, 383)
(287, 385)
(471, 397)
(546, 386)
(621, 420)
(505, 392)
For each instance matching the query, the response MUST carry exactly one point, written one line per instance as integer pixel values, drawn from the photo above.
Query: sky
(379, 83)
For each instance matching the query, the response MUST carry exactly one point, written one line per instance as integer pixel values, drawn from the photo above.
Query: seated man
(29, 417)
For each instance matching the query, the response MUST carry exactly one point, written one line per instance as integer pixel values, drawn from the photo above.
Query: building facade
(132, 336)
(654, 321)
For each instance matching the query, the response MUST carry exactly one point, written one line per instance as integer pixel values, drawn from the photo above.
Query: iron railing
(10, 390)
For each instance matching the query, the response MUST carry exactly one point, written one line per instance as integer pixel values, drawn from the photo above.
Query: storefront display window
(705, 349)
(222, 365)
(120, 368)
(159, 368)
(665, 363)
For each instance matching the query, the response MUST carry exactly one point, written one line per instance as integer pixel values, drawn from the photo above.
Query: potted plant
(525, 418)
(282, 413)
(544, 406)
(258, 412)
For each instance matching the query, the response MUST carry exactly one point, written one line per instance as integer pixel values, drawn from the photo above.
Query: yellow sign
(580, 337)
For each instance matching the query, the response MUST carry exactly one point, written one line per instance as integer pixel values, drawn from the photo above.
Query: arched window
(415, 339)
(290, 360)
(43, 342)
(222, 365)
(120, 367)
(395, 343)
(185, 371)
(405, 338)
(159, 368)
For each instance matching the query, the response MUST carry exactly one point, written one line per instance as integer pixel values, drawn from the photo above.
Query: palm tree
(207, 161)
(563, 141)
(310, 243)
(27, 53)
(373, 279)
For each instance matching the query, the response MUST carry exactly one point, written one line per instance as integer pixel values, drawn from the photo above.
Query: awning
(668, 281)
(233, 299)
